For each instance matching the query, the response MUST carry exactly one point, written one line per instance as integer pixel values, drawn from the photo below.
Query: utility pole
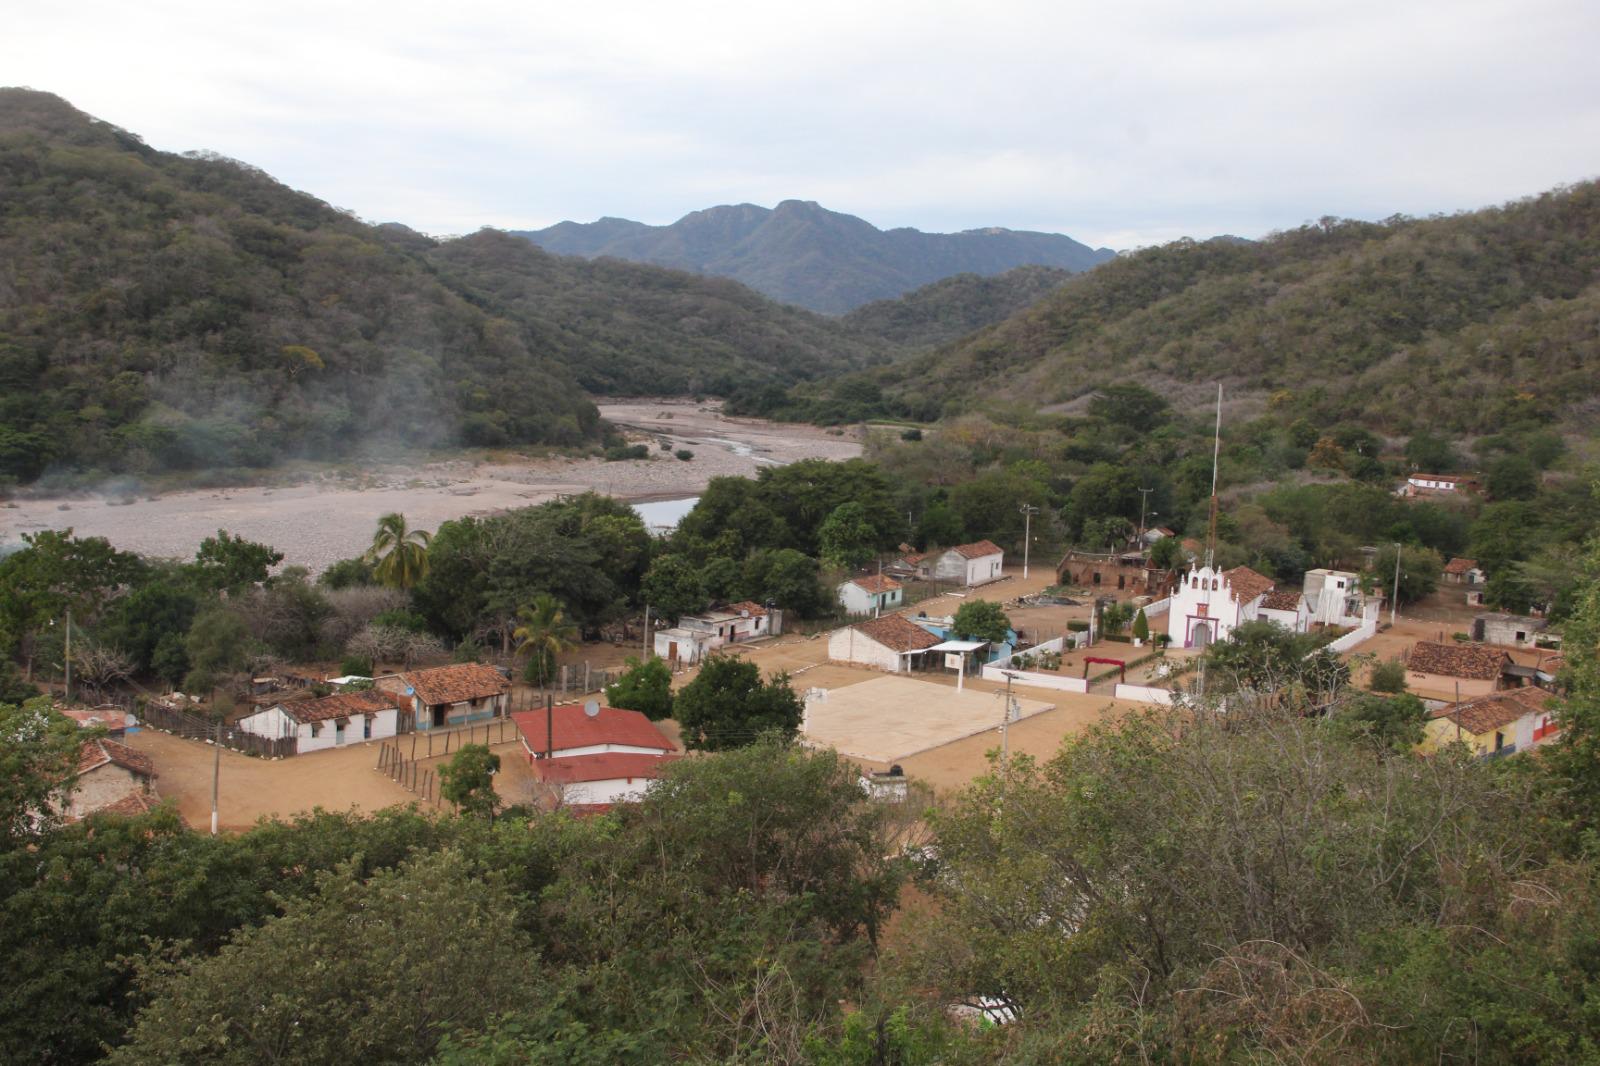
(644, 650)
(67, 659)
(216, 768)
(1394, 604)
(1028, 511)
(1144, 498)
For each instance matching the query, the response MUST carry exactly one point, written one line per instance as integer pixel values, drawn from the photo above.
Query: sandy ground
(320, 521)
(891, 717)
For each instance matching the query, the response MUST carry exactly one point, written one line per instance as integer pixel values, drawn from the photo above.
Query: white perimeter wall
(1143, 694)
(996, 671)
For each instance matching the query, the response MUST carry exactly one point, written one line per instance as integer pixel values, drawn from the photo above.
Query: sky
(1123, 124)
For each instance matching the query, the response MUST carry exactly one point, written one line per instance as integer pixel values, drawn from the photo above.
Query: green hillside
(950, 309)
(166, 312)
(1457, 323)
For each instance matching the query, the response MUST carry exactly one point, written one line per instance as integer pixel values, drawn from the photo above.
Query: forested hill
(160, 312)
(1460, 323)
(950, 309)
(635, 329)
(804, 254)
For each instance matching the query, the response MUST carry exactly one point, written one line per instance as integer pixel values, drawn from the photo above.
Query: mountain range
(803, 254)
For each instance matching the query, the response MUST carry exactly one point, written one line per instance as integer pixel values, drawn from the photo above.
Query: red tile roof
(134, 803)
(1282, 600)
(1246, 584)
(97, 753)
(875, 583)
(343, 705)
(894, 632)
(1470, 662)
(977, 549)
(755, 610)
(1496, 710)
(456, 684)
(572, 728)
(610, 766)
(1460, 566)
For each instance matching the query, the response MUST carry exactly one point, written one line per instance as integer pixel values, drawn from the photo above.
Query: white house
(1334, 598)
(449, 695)
(970, 564)
(571, 731)
(1287, 607)
(331, 722)
(697, 635)
(871, 595)
(890, 643)
(1208, 604)
(599, 780)
(1431, 484)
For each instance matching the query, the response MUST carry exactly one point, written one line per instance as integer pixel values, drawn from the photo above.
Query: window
(316, 729)
(1122, 581)
(366, 727)
(1521, 636)
(1097, 577)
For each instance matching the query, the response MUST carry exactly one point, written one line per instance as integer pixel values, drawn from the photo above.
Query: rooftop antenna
(591, 708)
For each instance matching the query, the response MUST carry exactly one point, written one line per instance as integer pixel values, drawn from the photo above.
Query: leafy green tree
(1508, 590)
(426, 948)
(543, 633)
(737, 506)
(399, 554)
(805, 493)
(1396, 723)
(1512, 477)
(722, 579)
(981, 620)
(1577, 756)
(939, 525)
(789, 579)
(348, 574)
(645, 687)
(467, 780)
(1505, 533)
(157, 613)
(229, 563)
(56, 572)
(1420, 571)
(728, 705)
(1130, 405)
(672, 589)
(1431, 453)
(1167, 554)
(218, 647)
(847, 538)
(989, 504)
(38, 767)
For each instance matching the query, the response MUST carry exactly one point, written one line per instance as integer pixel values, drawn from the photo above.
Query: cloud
(1118, 123)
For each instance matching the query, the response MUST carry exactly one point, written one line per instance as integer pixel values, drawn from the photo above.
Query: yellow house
(1500, 723)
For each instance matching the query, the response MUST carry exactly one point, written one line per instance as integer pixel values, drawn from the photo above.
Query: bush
(356, 665)
(684, 453)
(627, 451)
(645, 687)
(1388, 677)
(911, 434)
(1077, 626)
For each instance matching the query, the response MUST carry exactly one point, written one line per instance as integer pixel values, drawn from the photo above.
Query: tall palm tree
(399, 552)
(544, 634)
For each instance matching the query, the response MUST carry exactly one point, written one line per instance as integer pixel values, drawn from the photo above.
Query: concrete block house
(112, 778)
(871, 595)
(891, 643)
(448, 695)
(970, 564)
(333, 722)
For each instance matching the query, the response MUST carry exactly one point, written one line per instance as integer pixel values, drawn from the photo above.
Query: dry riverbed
(328, 518)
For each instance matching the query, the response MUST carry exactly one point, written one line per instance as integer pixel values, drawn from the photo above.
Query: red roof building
(570, 731)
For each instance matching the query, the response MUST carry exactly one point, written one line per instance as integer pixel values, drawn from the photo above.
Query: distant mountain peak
(803, 253)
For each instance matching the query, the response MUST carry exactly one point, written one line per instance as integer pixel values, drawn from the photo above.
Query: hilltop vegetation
(950, 309)
(162, 312)
(804, 254)
(1462, 323)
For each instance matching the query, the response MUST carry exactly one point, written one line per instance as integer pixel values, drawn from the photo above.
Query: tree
(1508, 590)
(1396, 723)
(728, 705)
(939, 525)
(671, 587)
(787, 578)
(228, 563)
(1512, 477)
(847, 538)
(1141, 626)
(981, 620)
(1420, 570)
(543, 634)
(399, 554)
(1326, 455)
(1133, 406)
(218, 648)
(645, 687)
(1577, 755)
(38, 767)
(54, 573)
(1431, 453)
(467, 780)
(1167, 554)
(428, 947)
(1388, 676)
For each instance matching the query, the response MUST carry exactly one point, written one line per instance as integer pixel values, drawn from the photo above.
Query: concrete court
(890, 718)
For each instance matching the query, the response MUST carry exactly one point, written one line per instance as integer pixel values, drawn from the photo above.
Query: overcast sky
(1120, 123)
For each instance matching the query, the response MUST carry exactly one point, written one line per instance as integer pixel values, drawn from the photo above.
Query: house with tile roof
(698, 635)
(112, 777)
(970, 564)
(1129, 573)
(872, 594)
(1444, 669)
(1499, 723)
(892, 643)
(1209, 604)
(331, 722)
(568, 730)
(1459, 571)
(448, 695)
(590, 781)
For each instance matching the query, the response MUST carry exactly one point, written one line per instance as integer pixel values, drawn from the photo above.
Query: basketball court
(890, 718)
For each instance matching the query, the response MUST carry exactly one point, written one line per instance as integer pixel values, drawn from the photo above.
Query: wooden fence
(408, 773)
(181, 723)
(425, 744)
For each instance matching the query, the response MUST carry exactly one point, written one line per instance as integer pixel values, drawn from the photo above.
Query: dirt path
(331, 516)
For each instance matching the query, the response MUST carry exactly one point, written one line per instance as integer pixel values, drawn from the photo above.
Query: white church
(1209, 603)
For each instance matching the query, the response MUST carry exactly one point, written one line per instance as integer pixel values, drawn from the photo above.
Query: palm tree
(544, 634)
(400, 553)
